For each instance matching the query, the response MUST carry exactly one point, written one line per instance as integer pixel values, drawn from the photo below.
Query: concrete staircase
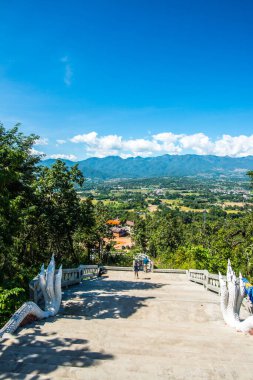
(159, 327)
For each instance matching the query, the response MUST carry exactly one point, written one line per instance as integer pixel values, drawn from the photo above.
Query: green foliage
(10, 300)
(250, 175)
(124, 259)
(140, 233)
(40, 214)
(18, 171)
(181, 240)
(58, 208)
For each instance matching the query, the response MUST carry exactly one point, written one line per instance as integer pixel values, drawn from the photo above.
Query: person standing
(136, 269)
(145, 264)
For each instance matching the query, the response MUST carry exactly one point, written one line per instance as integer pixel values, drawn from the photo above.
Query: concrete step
(112, 337)
(11, 359)
(54, 339)
(25, 376)
(162, 348)
(83, 357)
(128, 367)
(130, 327)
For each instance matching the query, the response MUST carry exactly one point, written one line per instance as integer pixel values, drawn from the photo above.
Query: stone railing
(209, 280)
(110, 267)
(69, 277)
(176, 271)
(130, 269)
(213, 282)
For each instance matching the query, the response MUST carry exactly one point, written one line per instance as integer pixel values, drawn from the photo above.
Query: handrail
(110, 267)
(72, 276)
(209, 280)
(130, 269)
(176, 271)
(69, 277)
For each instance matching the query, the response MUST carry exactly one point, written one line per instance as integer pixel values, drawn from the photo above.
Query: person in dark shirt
(136, 269)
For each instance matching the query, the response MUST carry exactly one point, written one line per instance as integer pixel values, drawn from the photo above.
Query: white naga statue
(50, 285)
(232, 294)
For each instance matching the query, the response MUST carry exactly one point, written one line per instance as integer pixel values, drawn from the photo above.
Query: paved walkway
(158, 327)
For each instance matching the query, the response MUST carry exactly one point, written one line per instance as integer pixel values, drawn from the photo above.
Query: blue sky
(97, 78)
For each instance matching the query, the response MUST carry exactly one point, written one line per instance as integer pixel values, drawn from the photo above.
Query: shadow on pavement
(105, 299)
(99, 306)
(110, 286)
(40, 353)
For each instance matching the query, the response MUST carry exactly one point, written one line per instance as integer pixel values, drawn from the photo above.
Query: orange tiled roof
(114, 222)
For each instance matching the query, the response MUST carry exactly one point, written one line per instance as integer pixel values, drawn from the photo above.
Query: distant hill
(162, 166)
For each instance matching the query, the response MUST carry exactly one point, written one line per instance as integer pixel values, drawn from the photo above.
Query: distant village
(122, 233)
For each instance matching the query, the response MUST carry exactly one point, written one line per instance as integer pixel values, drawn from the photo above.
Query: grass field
(232, 204)
(171, 201)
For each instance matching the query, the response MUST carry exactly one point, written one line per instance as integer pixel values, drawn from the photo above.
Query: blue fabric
(248, 288)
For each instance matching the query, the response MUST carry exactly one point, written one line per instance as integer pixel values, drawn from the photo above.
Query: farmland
(187, 194)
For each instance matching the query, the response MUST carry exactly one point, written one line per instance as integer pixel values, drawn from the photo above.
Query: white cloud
(237, 146)
(110, 142)
(41, 141)
(101, 146)
(141, 145)
(164, 143)
(166, 137)
(198, 142)
(35, 152)
(89, 138)
(60, 142)
(70, 157)
(125, 155)
(68, 72)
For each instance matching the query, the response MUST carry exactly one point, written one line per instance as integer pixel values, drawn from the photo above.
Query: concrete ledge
(180, 271)
(119, 268)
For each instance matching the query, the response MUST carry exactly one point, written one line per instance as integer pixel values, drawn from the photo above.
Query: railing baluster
(69, 277)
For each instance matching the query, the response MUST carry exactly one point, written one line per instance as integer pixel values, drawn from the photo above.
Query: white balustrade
(69, 277)
(209, 280)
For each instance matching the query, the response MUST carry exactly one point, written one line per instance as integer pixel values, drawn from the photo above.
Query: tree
(59, 207)
(18, 171)
(250, 175)
(140, 233)
(93, 228)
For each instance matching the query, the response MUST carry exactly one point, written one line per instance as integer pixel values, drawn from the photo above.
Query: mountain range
(113, 167)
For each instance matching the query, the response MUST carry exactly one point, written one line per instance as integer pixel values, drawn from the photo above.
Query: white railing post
(206, 274)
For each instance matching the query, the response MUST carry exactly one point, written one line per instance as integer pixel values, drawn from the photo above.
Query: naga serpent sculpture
(50, 285)
(232, 293)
